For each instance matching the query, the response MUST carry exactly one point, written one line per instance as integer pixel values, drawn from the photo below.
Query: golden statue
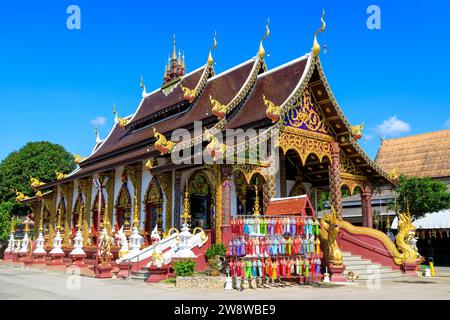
(162, 144)
(328, 234)
(218, 109)
(77, 159)
(357, 131)
(169, 232)
(316, 45)
(60, 175)
(406, 232)
(261, 51)
(35, 183)
(273, 112)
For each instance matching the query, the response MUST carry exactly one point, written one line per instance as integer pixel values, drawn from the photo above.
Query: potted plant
(214, 256)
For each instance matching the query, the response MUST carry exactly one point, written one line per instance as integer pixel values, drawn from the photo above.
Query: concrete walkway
(22, 283)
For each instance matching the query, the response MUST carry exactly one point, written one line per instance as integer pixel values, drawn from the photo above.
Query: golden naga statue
(149, 164)
(215, 149)
(20, 196)
(394, 174)
(328, 234)
(203, 235)
(35, 183)
(273, 112)
(219, 110)
(357, 131)
(261, 51)
(77, 159)
(163, 145)
(316, 45)
(189, 94)
(60, 175)
(405, 235)
(170, 232)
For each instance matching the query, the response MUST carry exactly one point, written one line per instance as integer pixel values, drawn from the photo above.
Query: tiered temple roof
(241, 90)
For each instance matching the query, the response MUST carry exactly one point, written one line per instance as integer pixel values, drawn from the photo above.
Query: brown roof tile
(276, 85)
(422, 155)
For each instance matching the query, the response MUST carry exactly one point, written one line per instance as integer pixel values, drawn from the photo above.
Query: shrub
(184, 268)
(216, 250)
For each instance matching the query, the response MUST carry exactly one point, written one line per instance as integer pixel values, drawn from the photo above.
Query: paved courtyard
(21, 283)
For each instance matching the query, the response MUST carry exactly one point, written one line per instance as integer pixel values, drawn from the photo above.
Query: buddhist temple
(290, 138)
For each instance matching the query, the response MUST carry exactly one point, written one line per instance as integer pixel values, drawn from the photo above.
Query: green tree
(36, 159)
(421, 195)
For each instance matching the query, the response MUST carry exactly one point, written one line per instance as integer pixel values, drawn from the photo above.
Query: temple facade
(303, 144)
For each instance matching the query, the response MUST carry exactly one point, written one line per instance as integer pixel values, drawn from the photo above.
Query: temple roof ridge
(284, 65)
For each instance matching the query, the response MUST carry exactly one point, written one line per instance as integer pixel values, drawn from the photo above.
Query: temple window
(153, 207)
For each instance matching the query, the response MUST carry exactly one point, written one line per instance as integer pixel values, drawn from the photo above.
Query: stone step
(355, 258)
(370, 271)
(347, 254)
(140, 275)
(387, 276)
(357, 262)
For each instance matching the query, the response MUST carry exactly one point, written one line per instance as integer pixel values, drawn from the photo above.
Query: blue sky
(55, 81)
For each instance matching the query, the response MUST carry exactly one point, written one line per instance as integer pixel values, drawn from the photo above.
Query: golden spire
(27, 227)
(136, 212)
(186, 205)
(80, 218)
(256, 208)
(105, 217)
(58, 225)
(174, 53)
(210, 58)
(261, 51)
(316, 46)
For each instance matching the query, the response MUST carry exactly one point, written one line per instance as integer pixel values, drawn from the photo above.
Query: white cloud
(447, 123)
(98, 122)
(392, 127)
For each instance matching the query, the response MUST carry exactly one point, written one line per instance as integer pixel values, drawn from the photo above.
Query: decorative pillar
(86, 188)
(177, 203)
(36, 207)
(227, 183)
(335, 179)
(219, 199)
(165, 181)
(67, 192)
(282, 168)
(366, 206)
(269, 189)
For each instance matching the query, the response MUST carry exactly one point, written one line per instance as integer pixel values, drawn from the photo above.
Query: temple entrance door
(76, 214)
(95, 213)
(200, 201)
(200, 216)
(153, 207)
(123, 210)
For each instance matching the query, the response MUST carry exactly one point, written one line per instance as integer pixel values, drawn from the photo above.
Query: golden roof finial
(316, 45)
(210, 58)
(261, 51)
(174, 53)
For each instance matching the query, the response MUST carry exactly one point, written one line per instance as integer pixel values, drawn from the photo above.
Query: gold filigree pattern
(352, 184)
(304, 146)
(348, 166)
(304, 115)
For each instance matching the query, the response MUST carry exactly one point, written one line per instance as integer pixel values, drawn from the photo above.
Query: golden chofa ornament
(316, 45)
(262, 51)
(163, 145)
(210, 58)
